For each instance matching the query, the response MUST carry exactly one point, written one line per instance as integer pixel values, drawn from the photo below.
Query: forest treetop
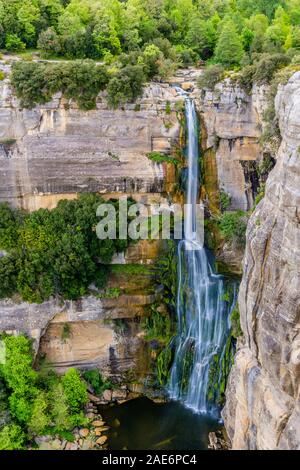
(222, 31)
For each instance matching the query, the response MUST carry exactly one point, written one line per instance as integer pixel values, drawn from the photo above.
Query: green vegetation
(96, 381)
(36, 83)
(158, 326)
(225, 200)
(39, 402)
(137, 40)
(158, 157)
(211, 76)
(233, 227)
(110, 293)
(236, 329)
(54, 252)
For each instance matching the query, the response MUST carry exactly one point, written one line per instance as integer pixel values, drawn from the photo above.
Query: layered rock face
(57, 150)
(231, 127)
(263, 401)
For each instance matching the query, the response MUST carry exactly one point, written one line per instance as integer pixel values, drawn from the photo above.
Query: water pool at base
(141, 424)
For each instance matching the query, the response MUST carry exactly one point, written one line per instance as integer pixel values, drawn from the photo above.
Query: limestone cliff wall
(263, 401)
(232, 126)
(57, 150)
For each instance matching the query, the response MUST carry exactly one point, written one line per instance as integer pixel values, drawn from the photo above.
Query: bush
(13, 43)
(75, 390)
(12, 437)
(233, 227)
(126, 85)
(54, 252)
(267, 66)
(211, 76)
(41, 402)
(2, 75)
(94, 378)
(49, 42)
(36, 83)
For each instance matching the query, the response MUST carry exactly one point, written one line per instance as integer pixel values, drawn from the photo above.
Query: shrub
(233, 227)
(225, 200)
(13, 43)
(49, 42)
(267, 66)
(211, 76)
(75, 390)
(236, 329)
(126, 85)
(54, 252)
(12, 437)
(36, 83)
(2, 75)
(95, 379)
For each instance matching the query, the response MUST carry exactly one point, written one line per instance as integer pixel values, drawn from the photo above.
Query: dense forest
(227, 31)
(138, 40)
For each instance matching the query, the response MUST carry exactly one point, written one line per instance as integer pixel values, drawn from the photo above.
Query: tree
(13, 43)
(74, 390)
(229, 50)
(126, 85)
(12, 437)
(49, 42)
(201, 37)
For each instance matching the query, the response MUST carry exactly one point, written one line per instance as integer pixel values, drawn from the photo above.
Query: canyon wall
(263, 403)
(55, 151)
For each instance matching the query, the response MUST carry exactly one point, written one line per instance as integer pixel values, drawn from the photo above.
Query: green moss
(158, 157)
(164, 362)
(158, 326)
(66, 332)
(2, 75)
(236, 329)
(110, 293)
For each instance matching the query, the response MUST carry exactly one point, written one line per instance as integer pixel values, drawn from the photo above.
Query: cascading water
(202, 308)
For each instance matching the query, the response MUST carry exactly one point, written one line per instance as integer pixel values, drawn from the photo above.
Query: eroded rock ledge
(263, 407)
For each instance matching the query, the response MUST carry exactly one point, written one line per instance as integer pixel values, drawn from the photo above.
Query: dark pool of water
(143, 424)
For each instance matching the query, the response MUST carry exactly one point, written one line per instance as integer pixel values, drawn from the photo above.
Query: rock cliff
(232, 126)
(263, 408)
(57, 150)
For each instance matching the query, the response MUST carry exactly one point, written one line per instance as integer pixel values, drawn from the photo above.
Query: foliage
(36, 83)
(2, 75)
(211, 76)
(158, 326)
(225, 200)
(229, 48)
(96, 381)
(75, 390)
(158, 157)
(12, 437)
(126, 85)
(233, 227)
(39, 401)
(54, 252)
(111, 293)
(236, 329)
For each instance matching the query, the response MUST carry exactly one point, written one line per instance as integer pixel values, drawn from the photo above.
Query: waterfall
(203, 309)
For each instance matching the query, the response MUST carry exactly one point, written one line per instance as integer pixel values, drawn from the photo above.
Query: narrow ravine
(203, 309)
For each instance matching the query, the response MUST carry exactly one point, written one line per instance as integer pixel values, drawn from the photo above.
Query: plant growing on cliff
(36, 83)
(233, 227)
(54, 252)
(39, 401)
(126, 85)
(211, 76)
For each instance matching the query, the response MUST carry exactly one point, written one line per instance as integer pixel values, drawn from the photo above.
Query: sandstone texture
(56, 149)
(263, 401)
(232, 126)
